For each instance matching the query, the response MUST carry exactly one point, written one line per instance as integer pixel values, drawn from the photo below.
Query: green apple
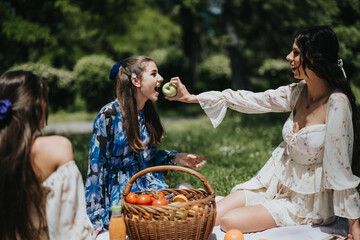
(169, 90)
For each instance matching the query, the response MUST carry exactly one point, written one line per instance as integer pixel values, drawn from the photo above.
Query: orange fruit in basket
(160, 202)
(179, 198)
(234, 234)
(144, 199)
(131, 198)
(197, 209)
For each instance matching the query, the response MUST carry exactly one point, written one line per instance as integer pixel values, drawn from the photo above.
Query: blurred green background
(209, 44)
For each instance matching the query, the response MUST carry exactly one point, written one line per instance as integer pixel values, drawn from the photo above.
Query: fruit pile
(154, 198)
(157, 198)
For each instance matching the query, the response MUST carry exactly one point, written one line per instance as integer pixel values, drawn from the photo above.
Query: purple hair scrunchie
(5, 108)
(114, 70)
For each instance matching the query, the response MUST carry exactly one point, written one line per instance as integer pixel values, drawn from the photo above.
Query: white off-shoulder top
(65, 205)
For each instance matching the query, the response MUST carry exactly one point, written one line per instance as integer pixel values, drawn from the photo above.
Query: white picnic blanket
(305, 232)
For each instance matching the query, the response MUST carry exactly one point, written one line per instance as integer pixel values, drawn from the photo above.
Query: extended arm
(165, 157)
(215, 103)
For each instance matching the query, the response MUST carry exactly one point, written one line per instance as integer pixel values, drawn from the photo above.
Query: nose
(289, 57)
(160, 78)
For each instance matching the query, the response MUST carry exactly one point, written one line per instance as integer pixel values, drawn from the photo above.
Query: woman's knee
(228, 222)
(247, 219)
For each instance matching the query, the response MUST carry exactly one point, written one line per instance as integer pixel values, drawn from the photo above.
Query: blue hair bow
(114, 70)
(5, 108)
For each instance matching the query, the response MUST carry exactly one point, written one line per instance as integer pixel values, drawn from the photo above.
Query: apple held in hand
(169, 90)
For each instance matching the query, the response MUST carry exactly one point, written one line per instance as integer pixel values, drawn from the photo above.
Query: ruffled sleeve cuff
(347, 203)
(214, 105)
(171, 157)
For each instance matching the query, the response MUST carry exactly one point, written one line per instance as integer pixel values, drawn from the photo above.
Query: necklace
(317, 100)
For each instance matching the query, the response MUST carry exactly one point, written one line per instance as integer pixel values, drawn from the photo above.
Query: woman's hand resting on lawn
(190, 160)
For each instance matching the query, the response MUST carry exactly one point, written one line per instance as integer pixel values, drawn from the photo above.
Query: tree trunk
(191, 43)
(234, 46)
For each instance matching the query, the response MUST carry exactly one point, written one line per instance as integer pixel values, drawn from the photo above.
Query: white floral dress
(308, 178)
(65, 205)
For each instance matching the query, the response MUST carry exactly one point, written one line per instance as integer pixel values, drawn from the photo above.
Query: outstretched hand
(183, 94)
(190, 160)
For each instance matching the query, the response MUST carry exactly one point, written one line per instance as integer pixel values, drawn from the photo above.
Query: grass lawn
(63, 116)
(235, 150)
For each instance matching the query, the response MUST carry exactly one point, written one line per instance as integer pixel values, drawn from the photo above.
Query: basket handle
(207, 185)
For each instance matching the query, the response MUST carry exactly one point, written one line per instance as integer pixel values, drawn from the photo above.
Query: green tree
(258, 30)
(251, 33)
(61, 32)
(60, 83)
(93, 83)
(199, 22)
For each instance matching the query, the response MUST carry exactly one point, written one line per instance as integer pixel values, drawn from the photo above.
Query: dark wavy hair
(22, 195)
(126, 94)
(319, 48)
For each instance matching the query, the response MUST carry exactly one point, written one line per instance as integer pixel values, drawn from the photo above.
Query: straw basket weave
(193, 220)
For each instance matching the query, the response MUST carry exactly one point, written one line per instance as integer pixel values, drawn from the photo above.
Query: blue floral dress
(112, 163)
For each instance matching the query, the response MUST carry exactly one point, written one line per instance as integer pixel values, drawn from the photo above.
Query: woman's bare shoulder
(56, 150)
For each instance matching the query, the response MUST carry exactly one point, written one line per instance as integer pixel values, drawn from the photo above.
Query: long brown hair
(126, 94)
(319, 50)
(21, 192)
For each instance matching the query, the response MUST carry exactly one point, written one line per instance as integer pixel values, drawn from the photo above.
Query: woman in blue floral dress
(126, 133)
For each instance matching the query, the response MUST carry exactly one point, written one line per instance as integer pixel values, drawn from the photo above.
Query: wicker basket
(194, 219)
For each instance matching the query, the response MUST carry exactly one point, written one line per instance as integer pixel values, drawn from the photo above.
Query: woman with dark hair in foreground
(42, 193)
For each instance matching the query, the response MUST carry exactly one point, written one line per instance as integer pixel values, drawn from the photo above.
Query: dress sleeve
(338, 150)
(165, 157)
(65, 205)
(95, 182)
(162, 157)
(215, 103)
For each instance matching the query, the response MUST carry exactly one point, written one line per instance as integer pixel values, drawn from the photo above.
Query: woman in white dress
(42, 193)
(312, 175)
